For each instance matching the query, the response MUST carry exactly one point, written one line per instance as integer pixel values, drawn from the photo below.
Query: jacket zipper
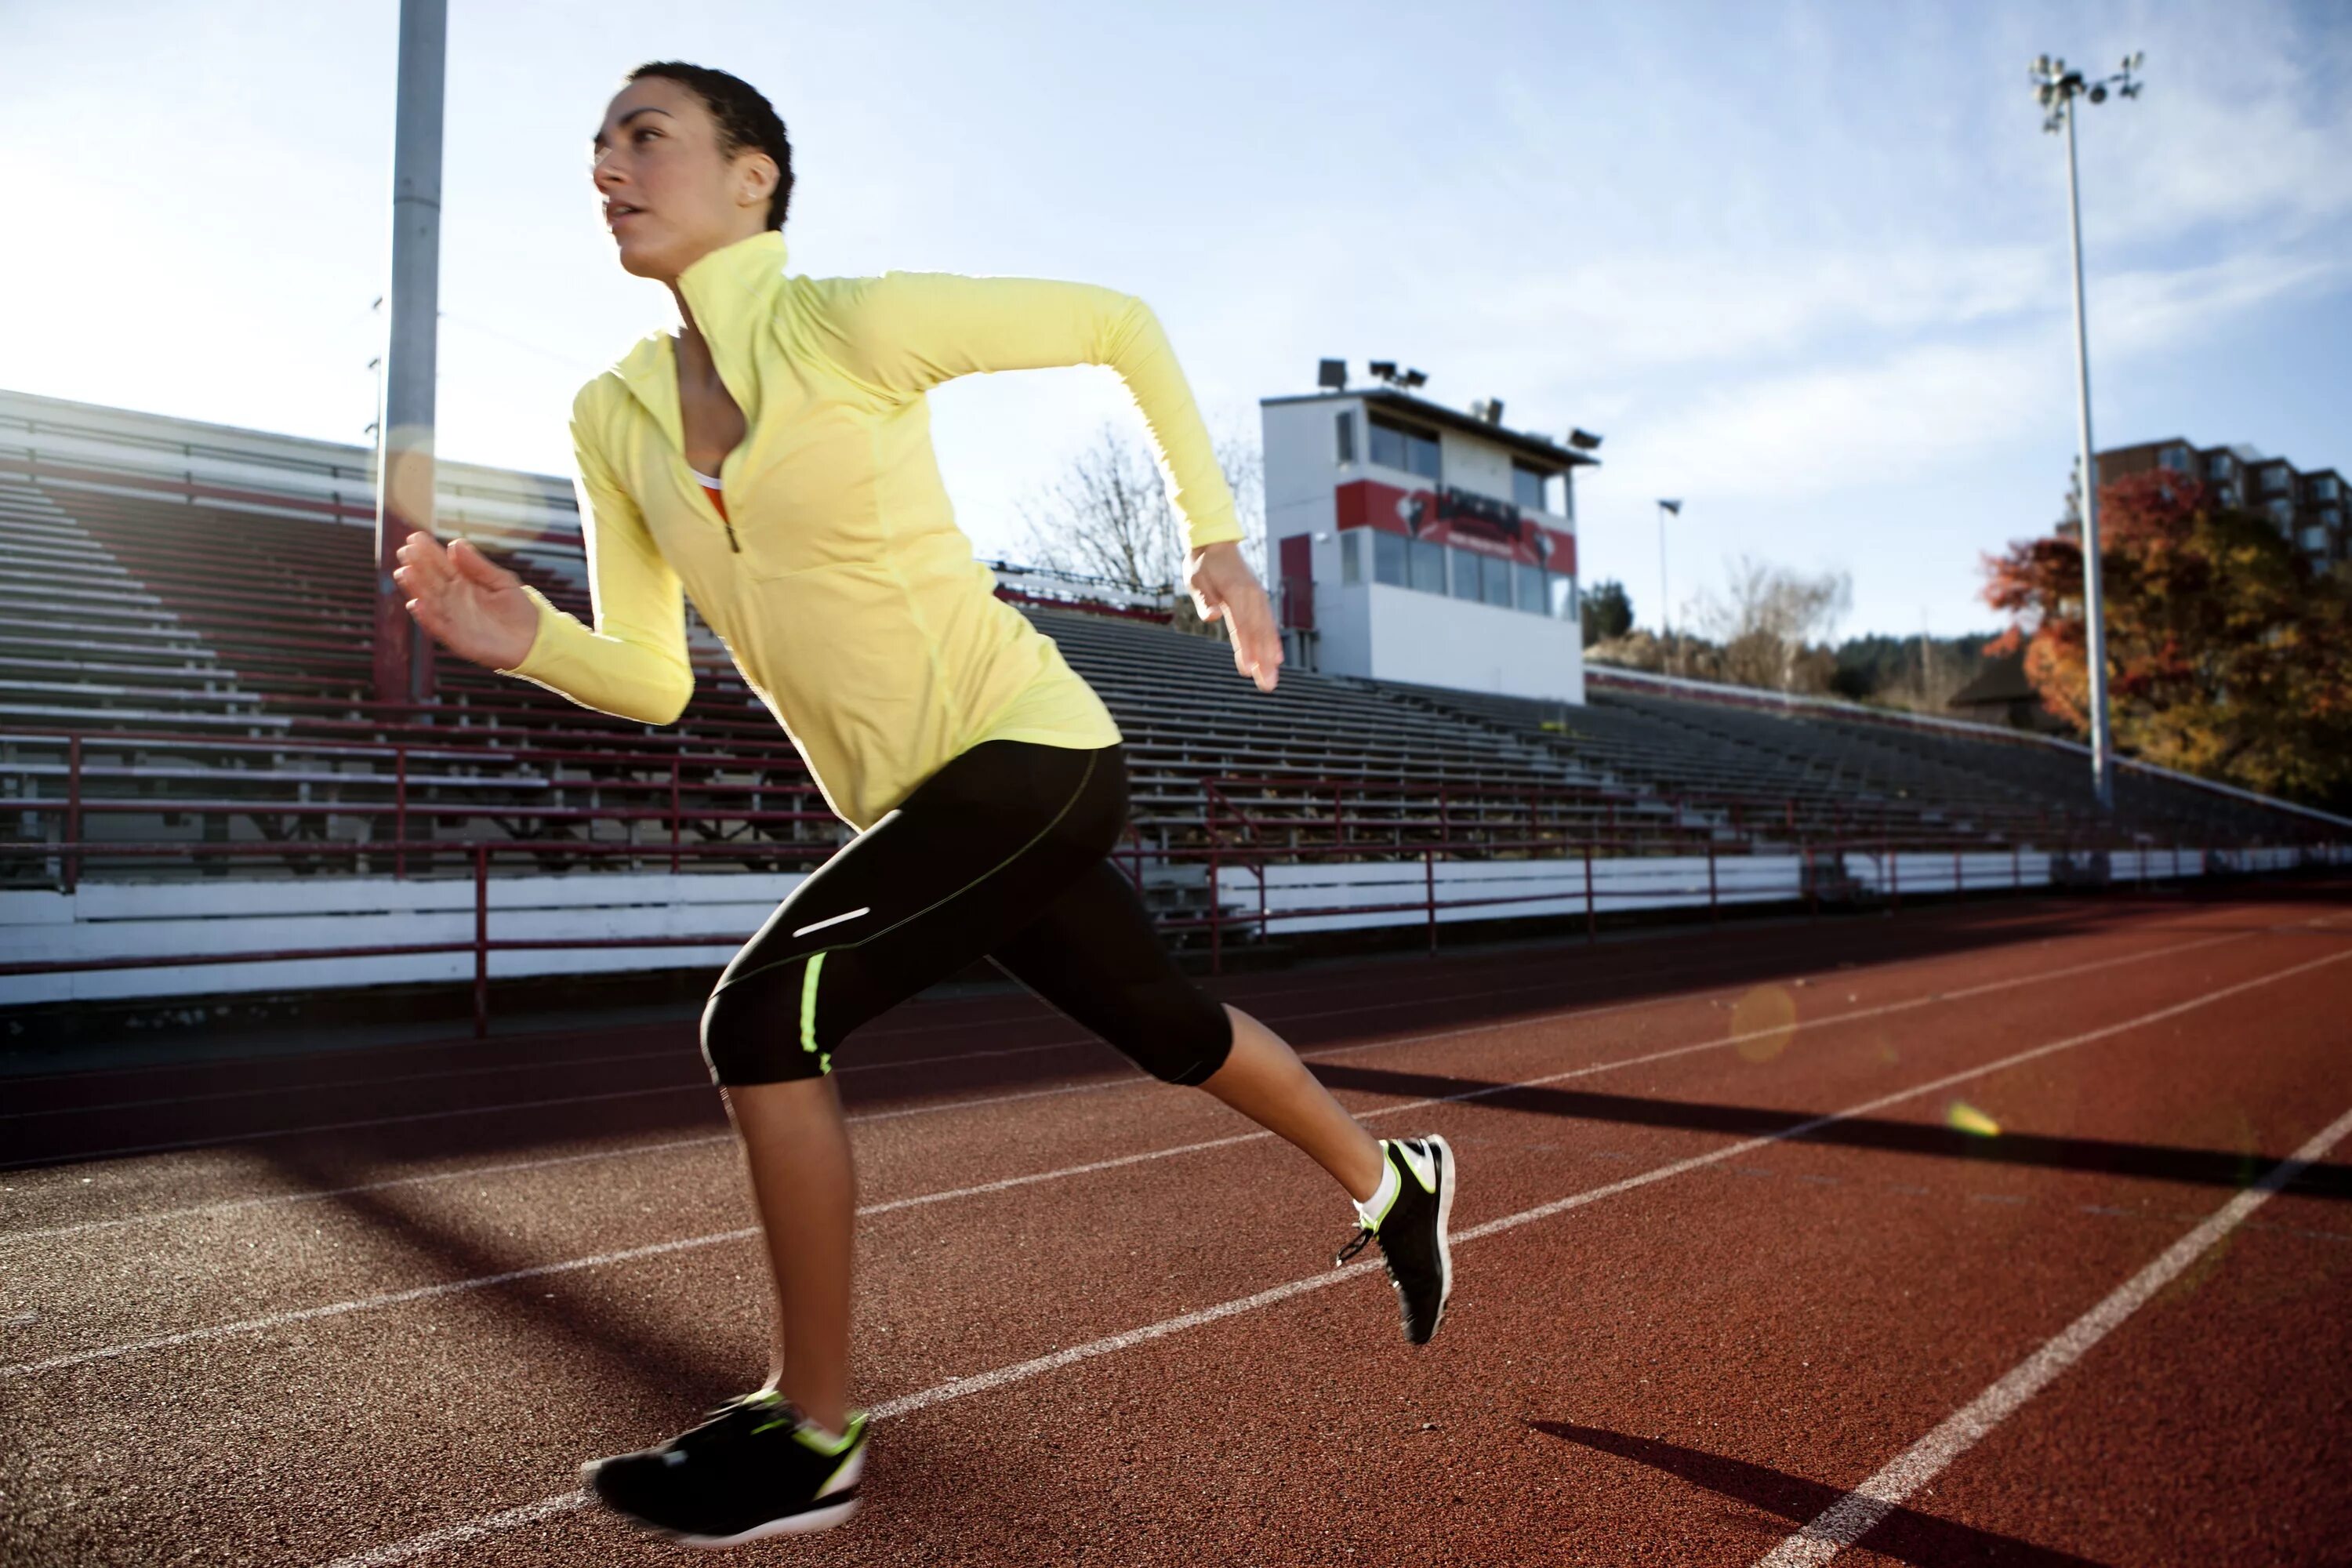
(725, 522)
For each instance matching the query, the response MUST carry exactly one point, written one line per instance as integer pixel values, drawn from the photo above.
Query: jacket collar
(732, 292)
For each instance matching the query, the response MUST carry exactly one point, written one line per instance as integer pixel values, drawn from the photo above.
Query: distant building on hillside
(2000, 694)
(2306, 506)
(1410, 541)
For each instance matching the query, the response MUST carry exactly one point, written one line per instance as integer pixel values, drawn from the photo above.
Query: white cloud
(1925, 410)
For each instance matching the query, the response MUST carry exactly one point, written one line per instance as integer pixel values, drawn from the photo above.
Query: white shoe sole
(1444, 1223)
(807, 1521)
(814, 1519)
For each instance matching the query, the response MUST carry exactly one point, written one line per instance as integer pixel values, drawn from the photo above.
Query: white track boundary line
(1021, 1372)
(1133, 1081)
(482, 1282)
(1848, 1519)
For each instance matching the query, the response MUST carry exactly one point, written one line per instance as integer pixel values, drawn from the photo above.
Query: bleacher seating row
(183, 668)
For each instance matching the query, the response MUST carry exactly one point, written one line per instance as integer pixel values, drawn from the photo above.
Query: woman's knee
(1183, 1038)
(752, 1032)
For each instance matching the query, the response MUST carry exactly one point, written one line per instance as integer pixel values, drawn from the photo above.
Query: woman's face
(667, 197)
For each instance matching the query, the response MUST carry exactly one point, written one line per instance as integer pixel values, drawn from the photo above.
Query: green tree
(1608, 611)
(2227, 655)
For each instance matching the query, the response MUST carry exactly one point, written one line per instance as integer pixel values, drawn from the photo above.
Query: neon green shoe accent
(1426, 1180)
(829, 1446)
(808, 1002)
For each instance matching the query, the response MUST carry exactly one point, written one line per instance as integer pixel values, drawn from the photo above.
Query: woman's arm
(632, 664)
(905, 332)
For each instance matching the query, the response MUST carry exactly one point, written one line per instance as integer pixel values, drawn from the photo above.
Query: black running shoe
(1412, 1230)
(755, 1469)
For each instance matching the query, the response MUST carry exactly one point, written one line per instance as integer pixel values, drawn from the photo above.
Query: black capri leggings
(1003, 852)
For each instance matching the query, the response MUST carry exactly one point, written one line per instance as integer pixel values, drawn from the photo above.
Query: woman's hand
(1225, 588)
(472, 606)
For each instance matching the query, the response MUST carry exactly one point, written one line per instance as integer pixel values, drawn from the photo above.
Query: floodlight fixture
(1332, 374)
(1410, 378)
(1385, 369)
(1583, 440)
(2056, 87)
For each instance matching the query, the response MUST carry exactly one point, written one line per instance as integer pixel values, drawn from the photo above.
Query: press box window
(1401, 446)
(1529, 582)
(1531, 488)
(1388, 559)
(1425, 560)
(1497, 578)
(1465, 574)
(1345, 436)
(1563, 596)
(1351, 559)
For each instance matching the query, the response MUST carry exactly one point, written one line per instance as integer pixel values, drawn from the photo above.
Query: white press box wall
(1376, 630)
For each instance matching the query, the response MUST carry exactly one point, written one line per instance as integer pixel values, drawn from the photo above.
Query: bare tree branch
(1767, 620)
(1108, 514)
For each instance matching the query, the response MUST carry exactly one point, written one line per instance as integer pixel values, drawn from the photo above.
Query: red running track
(1731, 1285)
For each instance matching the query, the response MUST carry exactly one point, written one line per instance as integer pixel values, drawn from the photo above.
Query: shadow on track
(2099, 1157)
(1906, 1536)
(666, 1371)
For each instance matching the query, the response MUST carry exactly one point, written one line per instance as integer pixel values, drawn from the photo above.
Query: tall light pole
(1666, 614)
(2057, 88)
(404, 656)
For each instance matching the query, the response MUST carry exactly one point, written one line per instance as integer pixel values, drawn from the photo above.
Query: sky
(1804, 267)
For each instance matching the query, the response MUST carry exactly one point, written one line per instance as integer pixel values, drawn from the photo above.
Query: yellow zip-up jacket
(842, 587)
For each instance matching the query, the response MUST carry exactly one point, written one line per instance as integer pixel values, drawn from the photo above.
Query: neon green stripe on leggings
(808, 1002)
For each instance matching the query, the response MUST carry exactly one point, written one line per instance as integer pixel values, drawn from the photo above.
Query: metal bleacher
(185, 691)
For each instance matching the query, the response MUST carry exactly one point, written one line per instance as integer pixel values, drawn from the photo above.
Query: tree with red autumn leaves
(2227, 655)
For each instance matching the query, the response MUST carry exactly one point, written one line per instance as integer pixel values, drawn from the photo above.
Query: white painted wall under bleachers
(115, 920)
(1908, 871)
(1495, 889)
(1302, 898)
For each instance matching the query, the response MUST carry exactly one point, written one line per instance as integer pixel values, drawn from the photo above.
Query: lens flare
(1762, 1023)
(1962, 1116)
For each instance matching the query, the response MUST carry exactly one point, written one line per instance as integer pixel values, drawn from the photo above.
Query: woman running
(772, 459)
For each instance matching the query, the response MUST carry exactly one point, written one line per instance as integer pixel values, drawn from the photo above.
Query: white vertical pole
(2102, 775)
(403, 668)
(1665, 615)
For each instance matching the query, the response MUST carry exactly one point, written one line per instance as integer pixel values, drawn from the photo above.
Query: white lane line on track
(1132, 1081)
(1849, 1519)
(399, 1551)
(453, 1286)
(1005, 1183)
